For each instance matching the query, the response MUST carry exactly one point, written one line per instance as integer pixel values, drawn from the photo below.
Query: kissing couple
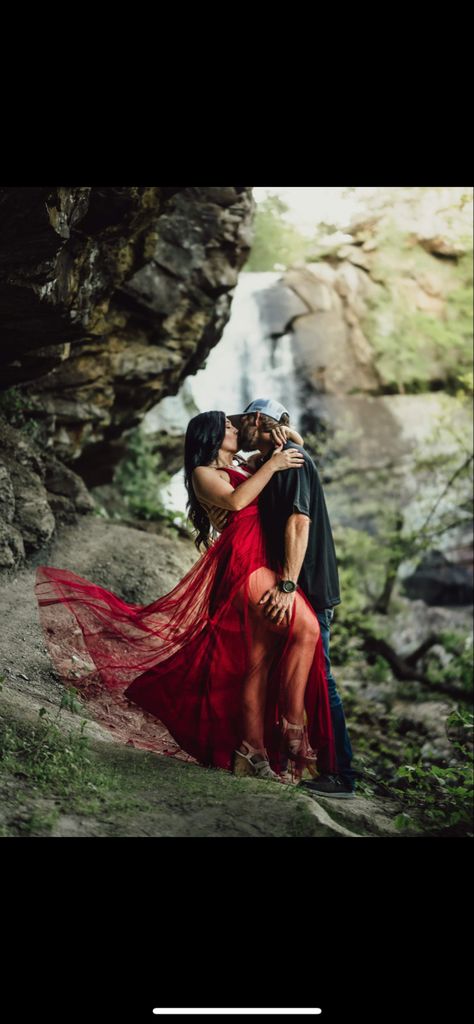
(234, 661)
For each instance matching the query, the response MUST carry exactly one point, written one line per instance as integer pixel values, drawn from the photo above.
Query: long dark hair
(204, 436)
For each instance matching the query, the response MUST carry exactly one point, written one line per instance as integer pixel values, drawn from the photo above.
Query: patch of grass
(183, 786)
(46, 761)
(48, 771)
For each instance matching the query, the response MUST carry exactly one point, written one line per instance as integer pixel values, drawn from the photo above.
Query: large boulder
(110, 298)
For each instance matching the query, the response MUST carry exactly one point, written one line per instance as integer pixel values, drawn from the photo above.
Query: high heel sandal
(253, 763)
(298, 749)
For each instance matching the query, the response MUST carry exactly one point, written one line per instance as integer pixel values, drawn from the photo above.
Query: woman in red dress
(233, 689)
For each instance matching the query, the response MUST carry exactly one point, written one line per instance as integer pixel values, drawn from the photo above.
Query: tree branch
(457, 472)
(403, 668)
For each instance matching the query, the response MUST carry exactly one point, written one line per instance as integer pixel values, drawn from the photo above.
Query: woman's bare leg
(254, 687)
(297, 664)
(298, 661)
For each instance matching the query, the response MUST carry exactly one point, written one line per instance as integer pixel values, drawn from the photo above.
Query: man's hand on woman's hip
(217, 517)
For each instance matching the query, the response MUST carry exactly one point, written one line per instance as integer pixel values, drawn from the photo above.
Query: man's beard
(247, 439)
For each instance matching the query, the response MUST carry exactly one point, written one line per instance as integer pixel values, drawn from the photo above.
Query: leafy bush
(275, 240)
(415, 349)
(441, 799)
(17, 408)
(459, 670)
(139, 477)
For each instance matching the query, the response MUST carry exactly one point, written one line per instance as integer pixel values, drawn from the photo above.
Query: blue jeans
(343, 744)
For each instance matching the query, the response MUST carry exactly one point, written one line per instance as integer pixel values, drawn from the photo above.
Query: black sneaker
(329, 785)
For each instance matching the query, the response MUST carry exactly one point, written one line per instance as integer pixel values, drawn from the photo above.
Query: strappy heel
(253, 763)
(297, 748)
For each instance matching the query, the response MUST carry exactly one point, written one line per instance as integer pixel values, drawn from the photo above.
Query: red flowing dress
(168, 676)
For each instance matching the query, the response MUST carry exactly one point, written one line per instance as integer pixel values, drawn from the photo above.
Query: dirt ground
(165, 796)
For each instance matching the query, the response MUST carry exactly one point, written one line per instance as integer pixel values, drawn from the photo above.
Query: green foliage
(39, 762)
(466, 384)
(13, 404)
(44, 759)
(379, 671)
(413, 348)
(366, 561)
(459, 671)
(436, 798)
(403, 821)
(441, 799)
(460, 727)
(354, 551)
(17, 408)
(444, 503)
(139, 477)
(43, 754)
(369, 556)
(275, 240)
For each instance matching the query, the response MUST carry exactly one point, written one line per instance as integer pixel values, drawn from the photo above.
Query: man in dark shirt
(302, 553)
(301, 491)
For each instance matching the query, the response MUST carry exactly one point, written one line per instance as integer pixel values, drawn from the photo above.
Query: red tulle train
(168, 676)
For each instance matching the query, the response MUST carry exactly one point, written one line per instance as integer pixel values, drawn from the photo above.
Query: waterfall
(251, 360)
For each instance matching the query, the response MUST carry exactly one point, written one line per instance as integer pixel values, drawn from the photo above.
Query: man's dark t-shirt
(300, 490)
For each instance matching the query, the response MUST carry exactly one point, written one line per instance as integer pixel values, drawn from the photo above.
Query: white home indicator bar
(286, 1011)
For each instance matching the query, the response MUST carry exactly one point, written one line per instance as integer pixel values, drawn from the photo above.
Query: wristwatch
(287, 586)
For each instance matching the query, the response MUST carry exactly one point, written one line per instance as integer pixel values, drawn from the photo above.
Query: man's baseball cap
(266, 405)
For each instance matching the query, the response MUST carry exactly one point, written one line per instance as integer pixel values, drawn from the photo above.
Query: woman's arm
(294, 436)
(278, 435)
(210, 487)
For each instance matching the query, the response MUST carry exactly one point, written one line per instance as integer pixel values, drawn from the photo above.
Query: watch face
(288, 586)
